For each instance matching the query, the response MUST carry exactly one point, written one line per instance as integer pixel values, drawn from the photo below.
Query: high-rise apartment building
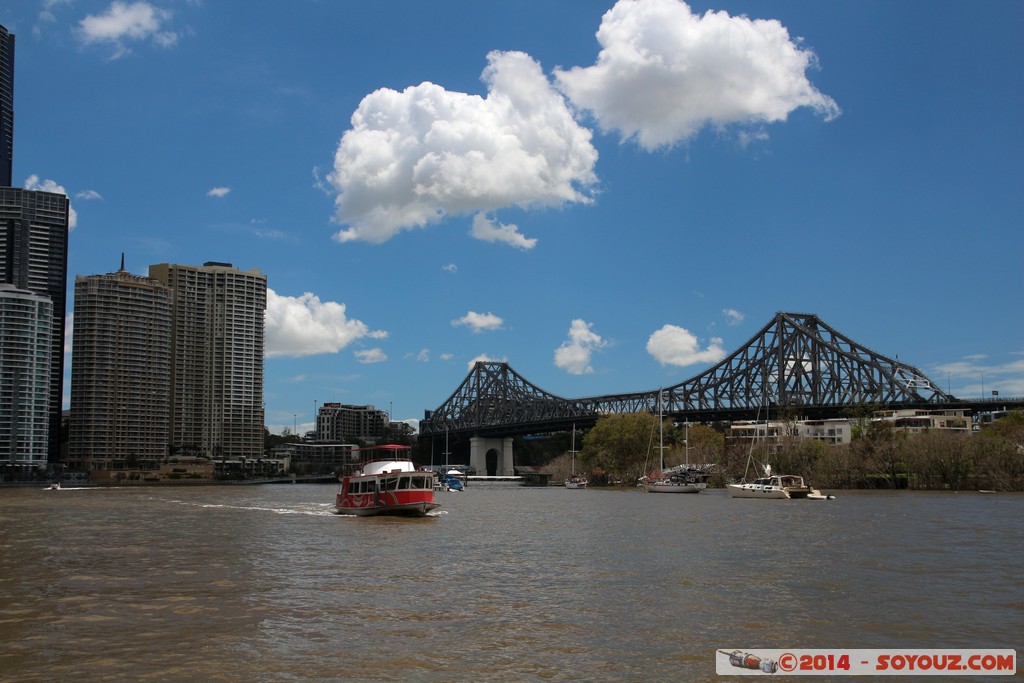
(34, 252)
(6, 106)
(25, 328)
(216, 358)
(121, 374)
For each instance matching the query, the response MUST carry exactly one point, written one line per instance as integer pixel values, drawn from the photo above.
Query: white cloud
(733, 317)
(479, 321)
(672, 345)
(69, 333)
(664, 73)
(218, 192)
(490, 231)
(574, 354)
(450, 268)
(369, 356)
(33, 183)
(975, 379)
(414, 157)
(122, 21)
(87, 195)
(423, 356)
(305, 326)
(484, 358)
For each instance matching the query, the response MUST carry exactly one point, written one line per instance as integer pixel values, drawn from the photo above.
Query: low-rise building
(913, 420)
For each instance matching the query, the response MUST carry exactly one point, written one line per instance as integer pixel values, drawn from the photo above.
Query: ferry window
(403, 483)
(392, 484)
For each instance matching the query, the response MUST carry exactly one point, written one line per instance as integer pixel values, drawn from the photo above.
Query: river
(506, 583)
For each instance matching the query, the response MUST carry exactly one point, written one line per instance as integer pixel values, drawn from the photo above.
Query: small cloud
(446, 356)
(479, 321)
(33, 183)
(672, 345)
(370, 356)
(732, 316)
(423, 356)
(484, 358)
(87, 195)
(218, 192)
(488, 231)
(450, 268)
(575, 353)
(123, 22)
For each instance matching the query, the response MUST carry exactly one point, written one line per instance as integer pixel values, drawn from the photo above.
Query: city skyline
(424, 186)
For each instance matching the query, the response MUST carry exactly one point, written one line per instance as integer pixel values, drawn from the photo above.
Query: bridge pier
(491, 456)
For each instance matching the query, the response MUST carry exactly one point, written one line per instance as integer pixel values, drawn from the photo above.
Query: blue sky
(611, 196)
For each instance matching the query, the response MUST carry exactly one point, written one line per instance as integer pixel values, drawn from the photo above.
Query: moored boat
(682, 479)
(392, 486)
(679, 479)
(575, 481)
(453, 480)
(777, 487)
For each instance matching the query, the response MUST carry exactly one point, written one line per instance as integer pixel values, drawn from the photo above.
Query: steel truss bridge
(796, 363)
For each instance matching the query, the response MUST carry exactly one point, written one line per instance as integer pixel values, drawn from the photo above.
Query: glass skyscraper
(6, 106)
(34, 257)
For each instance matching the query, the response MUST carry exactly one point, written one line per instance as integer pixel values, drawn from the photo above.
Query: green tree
(621, 444)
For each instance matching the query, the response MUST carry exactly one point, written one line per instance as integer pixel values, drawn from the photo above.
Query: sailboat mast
(661, 430)
(572, 449)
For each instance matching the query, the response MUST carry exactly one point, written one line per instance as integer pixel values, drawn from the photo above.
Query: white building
(26, 328)
(912, 420)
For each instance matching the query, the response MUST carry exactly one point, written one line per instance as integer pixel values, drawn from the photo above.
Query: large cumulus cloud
(664, 73)
(411, 158)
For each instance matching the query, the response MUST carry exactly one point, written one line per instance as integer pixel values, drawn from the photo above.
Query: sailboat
(679, 479)
(451, 480)
(575, 481)
(772, 486)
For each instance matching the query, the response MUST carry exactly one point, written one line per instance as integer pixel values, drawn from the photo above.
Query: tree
(620, 444)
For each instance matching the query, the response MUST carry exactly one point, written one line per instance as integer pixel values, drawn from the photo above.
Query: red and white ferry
(391, 486)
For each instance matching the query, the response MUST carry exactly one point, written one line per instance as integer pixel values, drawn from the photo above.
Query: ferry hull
(406, 510)
(368, 505)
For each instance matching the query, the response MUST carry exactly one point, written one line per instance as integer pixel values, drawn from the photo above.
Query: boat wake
(313, 510)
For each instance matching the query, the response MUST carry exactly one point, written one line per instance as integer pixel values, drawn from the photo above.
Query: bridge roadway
(585, 421)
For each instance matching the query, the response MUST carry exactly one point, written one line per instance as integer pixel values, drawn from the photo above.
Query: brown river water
(507, 583)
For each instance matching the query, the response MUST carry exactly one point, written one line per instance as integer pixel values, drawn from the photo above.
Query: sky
(610, 196)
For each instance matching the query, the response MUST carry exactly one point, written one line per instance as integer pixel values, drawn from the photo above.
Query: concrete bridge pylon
(491, 456)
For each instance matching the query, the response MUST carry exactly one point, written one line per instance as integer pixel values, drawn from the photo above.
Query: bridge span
(796, 363)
